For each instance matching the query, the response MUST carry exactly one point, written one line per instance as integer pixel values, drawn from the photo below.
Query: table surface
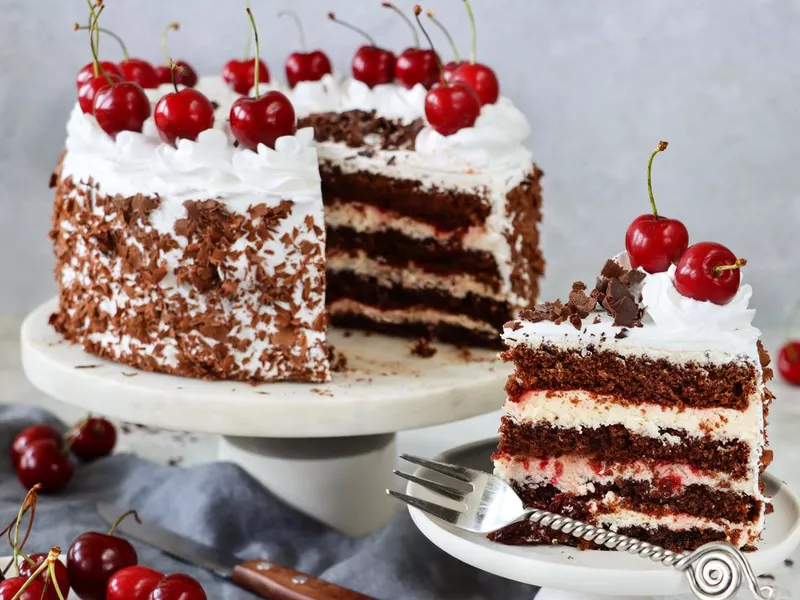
(186, 448)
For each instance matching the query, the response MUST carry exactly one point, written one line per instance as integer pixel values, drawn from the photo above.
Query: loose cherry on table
(655, 242)
(480, 77)
(449, 106)
(183, 114)
(709, 272)
(305, 65)
(45, 462)
(415, 65)
(32, 434)
(28, 567)
(371, 65)
(789, 362)
(93, 558)
(264, 118)
(133, 583)
(94, 438)
(178, 587)
(184, 75)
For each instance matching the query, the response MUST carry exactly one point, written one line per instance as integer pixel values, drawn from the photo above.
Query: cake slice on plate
(640, 405)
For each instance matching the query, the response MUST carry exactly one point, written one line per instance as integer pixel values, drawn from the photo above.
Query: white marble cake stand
(592, 574)
(327, 449)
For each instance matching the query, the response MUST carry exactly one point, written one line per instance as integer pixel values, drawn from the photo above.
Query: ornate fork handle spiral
(715, 571)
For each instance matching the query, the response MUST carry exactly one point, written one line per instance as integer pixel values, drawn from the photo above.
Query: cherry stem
(660, 148)
(173, 69)
(417, 13)
(52, 556)
(257, 59)
(51, 571)
(300, 31)
(351, 27)
(474, 32)
(28, 503)
(92, 42)
(391, 6)
(121, 518)
(75, 432)
(100, 30)
(95, 45)
(438, 23)
(174, 26)
(720, 269)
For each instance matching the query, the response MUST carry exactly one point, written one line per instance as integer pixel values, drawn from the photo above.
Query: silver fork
(715, 571)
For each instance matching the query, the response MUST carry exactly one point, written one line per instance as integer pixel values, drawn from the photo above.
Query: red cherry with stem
(10, 589)
(183, 115)
(482, 78)
(87, 73)
(133, 583)
(94, 76)
(450, 67)
(178, 587)
(709, 272)
(415, 65)
(31, 564)
(305, 66)
(449, 106)
(789, 362)
(185, 75)
(44, 462)
(93, 558)
(655, 242)
(133, 69)
(88, 91)
(32, 434)
(262, 119)
(121, 107)
(93, 439)
(371, 65)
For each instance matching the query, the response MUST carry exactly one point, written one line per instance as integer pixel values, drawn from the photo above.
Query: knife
(264, 578)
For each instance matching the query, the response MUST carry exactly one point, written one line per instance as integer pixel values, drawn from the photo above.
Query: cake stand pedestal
(326, 449)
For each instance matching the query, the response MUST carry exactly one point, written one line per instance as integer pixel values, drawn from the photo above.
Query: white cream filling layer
(410, 277)
(576, 475)
(580, 409)
(418, 315)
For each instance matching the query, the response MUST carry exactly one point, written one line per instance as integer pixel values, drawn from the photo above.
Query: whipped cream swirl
(668, 308)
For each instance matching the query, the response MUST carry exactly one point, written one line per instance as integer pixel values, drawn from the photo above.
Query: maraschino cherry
(450, 67)
(133, 583)
(449, 106)
(183, 114)
(655, 242)
(239, 74)
(415, 65)
(709, 272)
(305, 65)
(29, 435)
(371, 65)
(482, 78)
(264, 118)
(94, 437)
(185, 74)
(94, 557)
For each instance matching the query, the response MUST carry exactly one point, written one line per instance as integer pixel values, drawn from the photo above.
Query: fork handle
(269, 580)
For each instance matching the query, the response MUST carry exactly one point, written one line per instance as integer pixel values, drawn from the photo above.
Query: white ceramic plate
(590, 571)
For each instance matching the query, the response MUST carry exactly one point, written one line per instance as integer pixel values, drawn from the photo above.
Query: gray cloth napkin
(221, 505)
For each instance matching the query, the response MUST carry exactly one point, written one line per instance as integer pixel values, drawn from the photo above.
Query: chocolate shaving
(623, 333)
(353, 126)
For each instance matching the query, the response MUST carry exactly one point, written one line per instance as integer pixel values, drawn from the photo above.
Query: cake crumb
(788, 562)
(423, 348)
(88, 366)
(129, 374)
(322, 392)
(767, 576)
(174, 462)
(337, 360)
(622, 334)
(348, 334)
(465, 353)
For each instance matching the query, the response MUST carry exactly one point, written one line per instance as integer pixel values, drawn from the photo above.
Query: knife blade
(264, 577)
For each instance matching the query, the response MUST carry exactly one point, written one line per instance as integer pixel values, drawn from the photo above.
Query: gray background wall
(601, 81)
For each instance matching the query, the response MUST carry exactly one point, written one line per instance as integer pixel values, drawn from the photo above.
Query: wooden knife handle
(269, 580)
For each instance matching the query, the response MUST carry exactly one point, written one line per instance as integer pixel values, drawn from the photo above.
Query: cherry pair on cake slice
(264, 118)
(305, 65)
(371, 65)
(240, 74)
(183, 114)
(450, 106)
(481, 78)
(415, 65)
(184, 74)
